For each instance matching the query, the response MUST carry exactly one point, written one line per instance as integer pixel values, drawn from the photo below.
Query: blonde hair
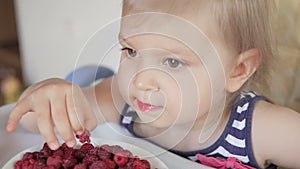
(246, 24)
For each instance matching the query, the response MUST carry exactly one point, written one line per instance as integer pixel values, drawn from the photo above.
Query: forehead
(180, 7)
(195, 13)
(192, 22)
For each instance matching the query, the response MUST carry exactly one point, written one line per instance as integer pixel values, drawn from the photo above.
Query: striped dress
(235, 141)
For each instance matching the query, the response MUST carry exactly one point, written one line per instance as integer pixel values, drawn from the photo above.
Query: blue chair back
(87, 75)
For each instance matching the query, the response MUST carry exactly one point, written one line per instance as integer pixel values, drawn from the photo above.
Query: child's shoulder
(275, 133)
(275, 116)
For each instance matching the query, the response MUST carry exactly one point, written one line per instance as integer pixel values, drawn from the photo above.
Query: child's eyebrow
(178, 50)
(123, 40)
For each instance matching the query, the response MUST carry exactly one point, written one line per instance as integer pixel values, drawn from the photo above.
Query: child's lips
(145, 107)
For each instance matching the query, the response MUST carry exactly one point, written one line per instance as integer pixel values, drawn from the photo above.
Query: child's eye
(130, 52)
(174, 63)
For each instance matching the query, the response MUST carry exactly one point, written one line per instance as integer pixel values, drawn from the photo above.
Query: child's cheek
(124, 78)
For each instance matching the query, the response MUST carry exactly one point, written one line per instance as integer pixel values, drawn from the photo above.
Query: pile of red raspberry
(87, 156)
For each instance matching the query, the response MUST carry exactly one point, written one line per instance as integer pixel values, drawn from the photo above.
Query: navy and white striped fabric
(235, 141)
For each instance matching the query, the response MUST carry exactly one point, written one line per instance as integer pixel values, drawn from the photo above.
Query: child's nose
(146, 81)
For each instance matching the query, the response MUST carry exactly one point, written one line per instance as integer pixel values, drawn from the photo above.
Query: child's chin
(149, 117)
(159, 124)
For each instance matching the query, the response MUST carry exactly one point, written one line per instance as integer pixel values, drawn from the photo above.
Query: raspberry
(89, 159)
(80, 166)
(40, 164)
(128, 153)
(97, 165)
(46, 150)
(103, 154)
(58, 152)
(79, 155)
(94, 151)
(32, 161)
(55, 161)
(18, 164)
(26, 164)
(29, 155)
(69, 162)
(84, 137)
(120, 158)
(49, 167)
(68, 152)
(130, 162)
(63, 146)
(141, 164)
(115, 149)
(39, 155)
(106, 147)
(110, 163)
(124, 167)
(86, 147)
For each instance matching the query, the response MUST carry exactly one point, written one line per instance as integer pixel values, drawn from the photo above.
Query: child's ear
(244, 67)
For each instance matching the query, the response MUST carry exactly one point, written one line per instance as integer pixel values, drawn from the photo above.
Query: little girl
(182, 84)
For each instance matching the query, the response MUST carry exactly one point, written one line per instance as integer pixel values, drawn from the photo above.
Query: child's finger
(89, 121)
(18, 111)
(61, 119)
(45, 124)
(75, 113)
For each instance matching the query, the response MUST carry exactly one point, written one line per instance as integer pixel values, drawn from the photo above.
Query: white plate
(143, 154)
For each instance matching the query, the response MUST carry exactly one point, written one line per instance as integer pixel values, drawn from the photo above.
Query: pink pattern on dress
(220, 163)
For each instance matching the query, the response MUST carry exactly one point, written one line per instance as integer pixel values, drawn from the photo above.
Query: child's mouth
(145, 107)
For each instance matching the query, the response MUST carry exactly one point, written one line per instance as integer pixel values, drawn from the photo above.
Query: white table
(13, 143)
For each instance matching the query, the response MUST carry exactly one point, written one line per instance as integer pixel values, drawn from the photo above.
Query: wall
(285, 82)
(53, 32)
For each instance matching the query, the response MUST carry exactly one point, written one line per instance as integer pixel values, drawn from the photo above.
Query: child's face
(160, 74)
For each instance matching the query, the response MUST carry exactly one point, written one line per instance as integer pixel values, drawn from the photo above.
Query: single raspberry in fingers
(84, 137)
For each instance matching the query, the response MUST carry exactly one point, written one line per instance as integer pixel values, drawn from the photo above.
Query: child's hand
(50, 105)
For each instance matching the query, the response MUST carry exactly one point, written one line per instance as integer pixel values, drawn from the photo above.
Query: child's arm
(109, 102)
(58, 105)
(276, 135)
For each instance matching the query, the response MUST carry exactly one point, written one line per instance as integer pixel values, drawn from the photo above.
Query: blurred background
(42, 39)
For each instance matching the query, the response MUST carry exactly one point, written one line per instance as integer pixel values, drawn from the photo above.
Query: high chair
(89, 75)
